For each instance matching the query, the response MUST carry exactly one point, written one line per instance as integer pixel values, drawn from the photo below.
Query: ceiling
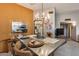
(60, 7)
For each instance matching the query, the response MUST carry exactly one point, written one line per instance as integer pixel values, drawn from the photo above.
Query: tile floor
(71, 48)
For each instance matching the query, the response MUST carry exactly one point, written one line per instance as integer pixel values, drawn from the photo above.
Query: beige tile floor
(71, 48)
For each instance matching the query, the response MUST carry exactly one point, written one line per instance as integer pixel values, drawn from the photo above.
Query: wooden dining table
(51, 44)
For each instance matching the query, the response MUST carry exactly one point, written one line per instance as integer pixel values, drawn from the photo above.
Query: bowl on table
(35, 43)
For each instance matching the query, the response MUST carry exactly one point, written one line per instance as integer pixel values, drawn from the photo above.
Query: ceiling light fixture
(43, 16)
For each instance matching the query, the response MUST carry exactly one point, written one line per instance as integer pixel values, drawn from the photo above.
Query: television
(59, 31)
(19, 27)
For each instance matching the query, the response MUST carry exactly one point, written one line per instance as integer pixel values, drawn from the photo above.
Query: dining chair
(21, 50)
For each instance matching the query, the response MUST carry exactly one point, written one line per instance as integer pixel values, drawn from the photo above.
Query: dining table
(49, 47)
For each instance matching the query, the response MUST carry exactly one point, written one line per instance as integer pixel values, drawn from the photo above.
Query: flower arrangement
(48, 27)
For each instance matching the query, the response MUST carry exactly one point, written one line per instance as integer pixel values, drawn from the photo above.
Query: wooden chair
(11, 44)
(21, 51)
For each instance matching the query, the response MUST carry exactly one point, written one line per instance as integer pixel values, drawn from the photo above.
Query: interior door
(73, 32)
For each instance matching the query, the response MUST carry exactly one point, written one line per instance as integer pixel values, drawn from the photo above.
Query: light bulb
(37, 15)
(43, 13)
(48, 16)
(74, 23)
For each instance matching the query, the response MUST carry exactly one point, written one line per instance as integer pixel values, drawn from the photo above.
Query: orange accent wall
(13, 12)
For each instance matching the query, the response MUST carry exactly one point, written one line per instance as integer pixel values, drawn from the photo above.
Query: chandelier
(43, 16)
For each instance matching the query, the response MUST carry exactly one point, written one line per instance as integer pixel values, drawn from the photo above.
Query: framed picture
(19, 27)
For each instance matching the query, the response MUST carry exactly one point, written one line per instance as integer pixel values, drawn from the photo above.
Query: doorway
(69, 30)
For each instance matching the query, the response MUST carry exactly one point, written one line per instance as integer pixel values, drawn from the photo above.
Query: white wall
(73, 15)
(52, 19)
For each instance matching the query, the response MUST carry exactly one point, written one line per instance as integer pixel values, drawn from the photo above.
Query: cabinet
(3, 46)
